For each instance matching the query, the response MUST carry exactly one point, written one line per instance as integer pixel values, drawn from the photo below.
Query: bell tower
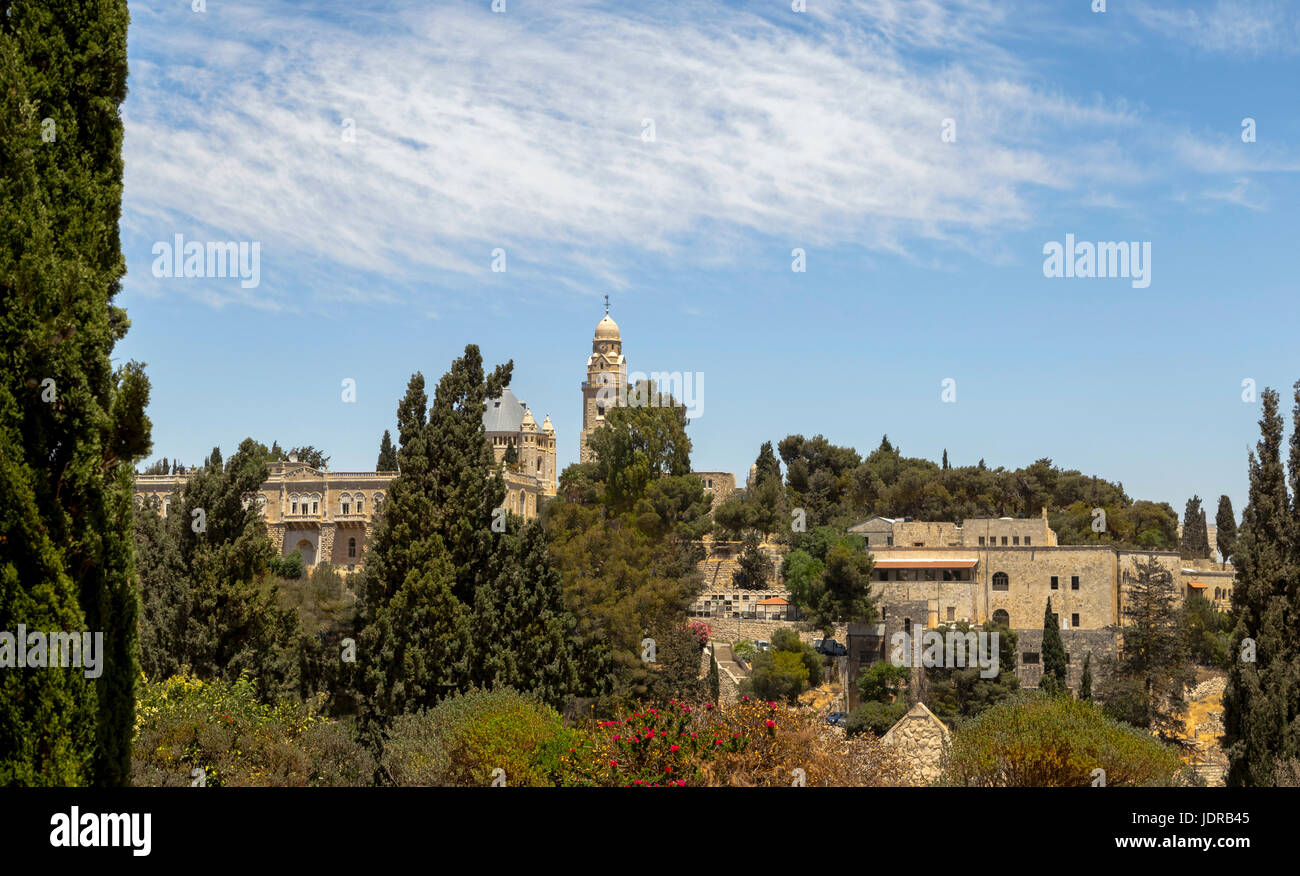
(607, 369)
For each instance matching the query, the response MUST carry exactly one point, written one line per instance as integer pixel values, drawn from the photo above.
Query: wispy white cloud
(525, 131)
(1230, 27)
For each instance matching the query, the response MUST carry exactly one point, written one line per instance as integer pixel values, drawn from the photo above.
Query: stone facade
(922, 739)
(329, 517)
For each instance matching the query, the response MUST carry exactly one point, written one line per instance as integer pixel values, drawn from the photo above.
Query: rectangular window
(1015, 540)
(952, 613)
(1004, 541)
(1074, 621)
(866, 539)
(981, 541)
(1056, 584)
(293, 508)
(313, 507)
(1074, 582)
(345, 507)
(891, 541)
(1030, 658)
(1026, 541)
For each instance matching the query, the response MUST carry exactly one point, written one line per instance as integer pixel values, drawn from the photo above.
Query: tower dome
(607, 329)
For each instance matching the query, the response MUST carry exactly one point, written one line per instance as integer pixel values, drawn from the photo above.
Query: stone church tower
(607, 368)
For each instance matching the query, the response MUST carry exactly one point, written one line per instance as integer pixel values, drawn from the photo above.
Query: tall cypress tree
(446, 601)
(71, 427)
(1260, 701)
(387, 454)
(1054, 666)
(1196, 536)
(1085, 681)
(1226, 523)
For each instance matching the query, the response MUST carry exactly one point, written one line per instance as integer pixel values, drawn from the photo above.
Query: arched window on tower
(1001, 581)
(1002, 618)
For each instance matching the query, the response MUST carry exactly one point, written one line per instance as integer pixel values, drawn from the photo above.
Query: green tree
(882, 681)
(511, 457)
(1149, 678)
(715, 680)
(754, 567)
(1226, 524)
(1259, 703)
(1196, 537)
(1054, 665)
(207, 601)
(433, 547)
(72, 426)
(311, 456)
(387, 454)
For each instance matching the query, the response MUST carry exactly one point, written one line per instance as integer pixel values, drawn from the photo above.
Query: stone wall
(1078, 644)
(921, 739)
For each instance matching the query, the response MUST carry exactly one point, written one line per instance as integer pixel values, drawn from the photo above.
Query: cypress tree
(1260, 701)
(1085, 682)
(1054, 667)
(945, 459)
(446, 601)
(1226, 523)
(71, 427)
(1196, 537)
(715, 680)
(387, 454)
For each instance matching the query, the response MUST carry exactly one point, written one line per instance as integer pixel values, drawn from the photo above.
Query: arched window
(1001, 581)
(315, 503)
(361, 503)
(352, 547)
(345, 503)
(1001, 617)
(293, 503)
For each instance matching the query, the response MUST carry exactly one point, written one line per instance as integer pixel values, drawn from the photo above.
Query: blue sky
(773, 130)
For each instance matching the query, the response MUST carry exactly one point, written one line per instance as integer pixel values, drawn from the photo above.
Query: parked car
(763, 645)
(837, 718)
(817, 645)
(832, 648)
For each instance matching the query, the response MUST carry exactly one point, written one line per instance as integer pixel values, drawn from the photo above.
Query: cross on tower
(607, 305)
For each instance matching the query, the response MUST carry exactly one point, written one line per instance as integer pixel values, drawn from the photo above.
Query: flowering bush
(750, 743)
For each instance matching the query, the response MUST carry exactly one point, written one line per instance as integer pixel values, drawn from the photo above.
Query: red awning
(1197, 584)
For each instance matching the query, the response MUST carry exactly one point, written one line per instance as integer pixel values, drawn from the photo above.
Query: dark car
(837, 718)
(832, 648)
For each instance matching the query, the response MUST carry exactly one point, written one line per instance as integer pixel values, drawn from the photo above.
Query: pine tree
(71, 426)
(387, 454)
(1054, 667)
(1085, 682)
(511, 456)
(754, 567)
(522, 634)
(1260, 701)
(1226, 523)
(1153, 670)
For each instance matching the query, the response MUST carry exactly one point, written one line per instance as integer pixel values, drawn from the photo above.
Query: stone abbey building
(329, 516)
(1005, 570)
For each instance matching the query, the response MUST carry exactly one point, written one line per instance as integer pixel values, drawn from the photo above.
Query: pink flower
(770, 724)
(668, 769)
(717, 742)
(617, 738)
(674, 748)
(772, 705)
(613, 763)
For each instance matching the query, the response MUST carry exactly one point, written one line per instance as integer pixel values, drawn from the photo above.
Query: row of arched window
(348, 503)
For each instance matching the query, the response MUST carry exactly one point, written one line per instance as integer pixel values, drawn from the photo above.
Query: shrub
(748, 744)
(745, 650)
(466, 737)
(1036, 741)
(183, 724)
(777, 675)
(874, 716)
(881, 681)
(287, 567)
